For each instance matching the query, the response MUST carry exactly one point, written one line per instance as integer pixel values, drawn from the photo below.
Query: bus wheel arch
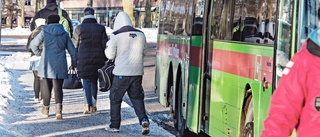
(169, 94)
(179, 121)
(247, 117)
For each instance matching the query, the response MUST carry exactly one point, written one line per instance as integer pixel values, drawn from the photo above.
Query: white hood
(121, 20)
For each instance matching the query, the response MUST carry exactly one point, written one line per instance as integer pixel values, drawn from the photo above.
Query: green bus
(218, 61)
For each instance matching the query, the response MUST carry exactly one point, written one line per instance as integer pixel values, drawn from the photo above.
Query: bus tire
(248, 130)
(179, 122)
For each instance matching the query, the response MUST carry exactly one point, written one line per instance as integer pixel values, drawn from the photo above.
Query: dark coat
(51, 8)
(90, 40)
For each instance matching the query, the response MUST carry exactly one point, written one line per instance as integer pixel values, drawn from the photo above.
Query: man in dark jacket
(90, 40)
(49, 9)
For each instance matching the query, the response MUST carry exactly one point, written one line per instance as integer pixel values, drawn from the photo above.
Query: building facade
(20, 12)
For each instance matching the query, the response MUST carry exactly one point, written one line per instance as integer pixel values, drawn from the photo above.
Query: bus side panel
(162, 70)
(234, 66)
(194, 84)
(193, 99)
(264, 93)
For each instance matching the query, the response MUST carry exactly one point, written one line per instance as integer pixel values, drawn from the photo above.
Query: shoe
(112, 130)
(93, 109)
(58, 111)
(37, 100)
(45, 111)
(145, 126)
(86, 109)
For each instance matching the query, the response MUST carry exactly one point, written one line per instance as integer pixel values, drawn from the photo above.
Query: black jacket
(90, 39)
(51, 8)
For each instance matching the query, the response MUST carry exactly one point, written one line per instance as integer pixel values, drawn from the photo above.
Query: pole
(140, 23)
(11, 20)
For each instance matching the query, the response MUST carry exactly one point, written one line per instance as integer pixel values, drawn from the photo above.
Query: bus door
(207, 43)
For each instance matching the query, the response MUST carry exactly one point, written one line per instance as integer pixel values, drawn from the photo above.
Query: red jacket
(295, 103)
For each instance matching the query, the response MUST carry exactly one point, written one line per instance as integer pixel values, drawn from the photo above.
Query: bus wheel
(170, 103)
(249, 124)
(179, 122)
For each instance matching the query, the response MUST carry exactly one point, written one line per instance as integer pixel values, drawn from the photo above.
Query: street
(26, 119)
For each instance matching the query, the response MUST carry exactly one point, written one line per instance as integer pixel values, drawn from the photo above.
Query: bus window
(222, 28)
(198, 20)
(197, 27)
(308, 21)
(284, 36)
(258, 24)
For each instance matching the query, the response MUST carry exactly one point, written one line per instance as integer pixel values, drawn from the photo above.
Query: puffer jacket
(49, 9)
(127, 46)
(53, 63)
(295, 103)
(90, 39)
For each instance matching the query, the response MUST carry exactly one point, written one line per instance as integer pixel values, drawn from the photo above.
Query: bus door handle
(265, 84)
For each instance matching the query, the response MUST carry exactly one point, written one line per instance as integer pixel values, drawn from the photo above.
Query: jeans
(131, 85)
(90, 89)
(47, 85)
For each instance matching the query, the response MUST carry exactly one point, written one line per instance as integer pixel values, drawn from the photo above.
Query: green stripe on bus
(175, 39)
(244, 48)
(196, 41)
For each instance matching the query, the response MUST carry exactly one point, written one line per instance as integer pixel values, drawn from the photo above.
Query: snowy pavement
(20, 116)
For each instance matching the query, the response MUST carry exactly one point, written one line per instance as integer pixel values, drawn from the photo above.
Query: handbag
(73, 81)
(105, 76)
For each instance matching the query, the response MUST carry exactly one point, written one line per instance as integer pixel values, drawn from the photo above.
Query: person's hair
(54, 18)
(88, 11)
(51, 1)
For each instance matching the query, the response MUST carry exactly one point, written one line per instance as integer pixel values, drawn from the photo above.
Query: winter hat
(88, 11)
(54, 18)
(51, 1)
(40, 21)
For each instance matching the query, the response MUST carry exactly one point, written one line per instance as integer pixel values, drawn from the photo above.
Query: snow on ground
(16, 92)
(15, 31)
(21, 60)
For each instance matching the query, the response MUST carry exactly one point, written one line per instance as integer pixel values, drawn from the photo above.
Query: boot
(59, 111)
(93, 109)
(45, 111)
(86, 109)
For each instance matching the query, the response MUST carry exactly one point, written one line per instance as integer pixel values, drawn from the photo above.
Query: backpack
(105, 76)
(64, 21)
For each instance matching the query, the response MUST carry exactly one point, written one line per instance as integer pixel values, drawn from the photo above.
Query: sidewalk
(25, 119)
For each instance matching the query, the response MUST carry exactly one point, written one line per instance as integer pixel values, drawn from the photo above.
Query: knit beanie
(51, 1)
(54, 18)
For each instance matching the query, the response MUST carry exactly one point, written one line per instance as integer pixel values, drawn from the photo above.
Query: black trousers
(36, 84)
(131, 85)
(47, 85)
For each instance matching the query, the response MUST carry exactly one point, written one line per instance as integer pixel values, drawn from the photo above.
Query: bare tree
(147, 19)
(39, 5)
(21, 15)
(10, 10)
(128, 8)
